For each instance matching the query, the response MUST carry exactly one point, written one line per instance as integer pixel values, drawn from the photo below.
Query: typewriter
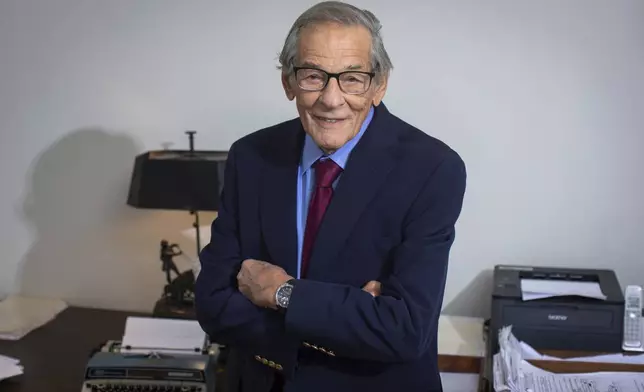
(116, 368)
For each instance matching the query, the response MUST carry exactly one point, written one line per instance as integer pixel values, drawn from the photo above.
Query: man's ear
(381, 88)
(287, 87)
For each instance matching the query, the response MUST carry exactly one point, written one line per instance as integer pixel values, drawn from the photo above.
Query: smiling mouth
(328, 120)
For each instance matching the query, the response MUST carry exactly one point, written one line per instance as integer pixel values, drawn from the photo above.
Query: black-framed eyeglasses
(350, 82)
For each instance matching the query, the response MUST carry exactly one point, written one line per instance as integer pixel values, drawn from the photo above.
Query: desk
(55, 355)
(461, 344)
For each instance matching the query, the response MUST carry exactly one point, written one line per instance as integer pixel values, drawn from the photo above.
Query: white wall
(544, 101)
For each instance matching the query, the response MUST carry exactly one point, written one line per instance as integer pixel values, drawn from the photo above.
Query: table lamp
(188, 180)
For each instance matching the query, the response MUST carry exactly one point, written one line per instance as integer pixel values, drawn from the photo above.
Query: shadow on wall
(475, 300)
(91, 248)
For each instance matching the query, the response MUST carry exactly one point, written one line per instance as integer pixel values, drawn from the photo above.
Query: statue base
(178, 299)
(168, 309)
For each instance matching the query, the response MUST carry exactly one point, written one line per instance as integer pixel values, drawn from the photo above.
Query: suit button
(306, 344)
(331, 353)
(271, 364)
(257, 357)
(265, 361)
(278, 366)
(314, 347)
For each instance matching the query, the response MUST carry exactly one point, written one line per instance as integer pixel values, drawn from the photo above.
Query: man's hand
(373, 287)
(259, 281)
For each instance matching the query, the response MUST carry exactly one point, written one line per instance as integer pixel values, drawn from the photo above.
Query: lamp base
(168, 309)
(178, 299)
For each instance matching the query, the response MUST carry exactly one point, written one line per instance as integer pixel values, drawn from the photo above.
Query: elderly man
(327, 263)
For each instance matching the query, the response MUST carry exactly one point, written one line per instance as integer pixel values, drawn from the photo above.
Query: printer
(567, 322)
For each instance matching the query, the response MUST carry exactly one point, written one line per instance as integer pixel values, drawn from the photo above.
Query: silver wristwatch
(283, 294)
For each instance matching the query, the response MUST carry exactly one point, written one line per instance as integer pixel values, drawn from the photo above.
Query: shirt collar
(311, 152)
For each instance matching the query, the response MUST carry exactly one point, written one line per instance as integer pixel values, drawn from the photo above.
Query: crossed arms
(397, 325)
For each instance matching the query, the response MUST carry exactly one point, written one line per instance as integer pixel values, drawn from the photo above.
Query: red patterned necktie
(326, 172)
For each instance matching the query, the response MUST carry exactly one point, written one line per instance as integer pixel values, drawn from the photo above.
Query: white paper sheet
(21, 315)
(532, 289)
(537, 380)
(9, 367)
(145, 335)
(500, 376)
(510, 359)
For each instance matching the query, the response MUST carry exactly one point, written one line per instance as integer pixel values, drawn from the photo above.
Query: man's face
(332, 117)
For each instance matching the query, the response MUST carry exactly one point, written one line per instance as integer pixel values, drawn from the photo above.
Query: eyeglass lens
(350, 82)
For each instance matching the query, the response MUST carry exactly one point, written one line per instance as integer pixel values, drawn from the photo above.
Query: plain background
(544, 100)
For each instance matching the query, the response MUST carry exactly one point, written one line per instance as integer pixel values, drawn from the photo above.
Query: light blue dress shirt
(306, 177)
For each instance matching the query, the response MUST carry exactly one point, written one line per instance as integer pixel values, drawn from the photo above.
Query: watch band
(283, 295)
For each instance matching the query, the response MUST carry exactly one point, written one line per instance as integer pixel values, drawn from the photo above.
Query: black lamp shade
(177, 180)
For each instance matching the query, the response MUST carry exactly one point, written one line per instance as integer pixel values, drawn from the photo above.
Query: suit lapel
(366, 171)
(278, 197)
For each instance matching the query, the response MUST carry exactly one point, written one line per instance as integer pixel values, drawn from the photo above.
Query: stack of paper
(21, 315)
(530, 353)
(9, 367)
(512, 373)
(542, 288)
(147, 335)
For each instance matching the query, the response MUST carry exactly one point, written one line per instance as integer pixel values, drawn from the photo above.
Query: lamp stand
(178, 298)
(191, 151)
(196, 225)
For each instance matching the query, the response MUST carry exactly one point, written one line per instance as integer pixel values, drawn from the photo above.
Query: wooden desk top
(55, 355)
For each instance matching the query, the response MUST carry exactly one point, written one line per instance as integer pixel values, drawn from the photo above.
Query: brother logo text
(557, 317)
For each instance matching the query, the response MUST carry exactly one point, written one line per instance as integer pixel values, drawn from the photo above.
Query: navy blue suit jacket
(391, 219)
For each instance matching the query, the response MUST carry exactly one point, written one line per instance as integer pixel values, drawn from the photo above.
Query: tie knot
(326, 171)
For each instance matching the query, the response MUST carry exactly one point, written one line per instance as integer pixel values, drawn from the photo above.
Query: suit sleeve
(225, 314)
(402, 322)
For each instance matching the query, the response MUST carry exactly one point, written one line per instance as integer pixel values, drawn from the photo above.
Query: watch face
(284, 295)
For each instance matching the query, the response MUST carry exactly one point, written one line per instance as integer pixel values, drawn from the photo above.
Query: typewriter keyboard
(134, 387)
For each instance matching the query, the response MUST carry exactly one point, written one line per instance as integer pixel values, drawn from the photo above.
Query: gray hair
(343, 14)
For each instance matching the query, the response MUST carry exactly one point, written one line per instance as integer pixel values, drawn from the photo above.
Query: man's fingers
(373, 287)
